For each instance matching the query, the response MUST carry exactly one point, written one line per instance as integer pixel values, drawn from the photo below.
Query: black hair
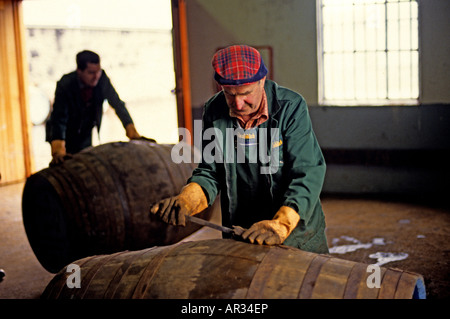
(85, 57)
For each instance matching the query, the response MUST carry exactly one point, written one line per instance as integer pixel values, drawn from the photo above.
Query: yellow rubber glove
(275, 231)
(131, 132)
(191, 200)
(58, 148)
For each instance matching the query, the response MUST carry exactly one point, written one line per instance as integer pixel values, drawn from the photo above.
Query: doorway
(134, 41)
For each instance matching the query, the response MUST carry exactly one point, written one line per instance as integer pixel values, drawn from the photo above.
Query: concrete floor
(356, 229)
(25, 277)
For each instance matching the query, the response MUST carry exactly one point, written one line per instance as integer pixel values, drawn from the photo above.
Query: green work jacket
(291, 174)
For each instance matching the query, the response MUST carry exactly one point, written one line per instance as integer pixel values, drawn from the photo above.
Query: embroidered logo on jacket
(277, 144)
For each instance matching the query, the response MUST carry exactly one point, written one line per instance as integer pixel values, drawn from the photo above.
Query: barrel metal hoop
(86, 281)
(389, 283)
(61, 183)
(164, 162)
(150, 271)
(311, 275)
(55, 288)
(110, 291)
(123, 198)
(105, 218)
(262, 273)
(357, 274)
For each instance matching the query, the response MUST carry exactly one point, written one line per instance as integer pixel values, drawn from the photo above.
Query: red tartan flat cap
(237, 65)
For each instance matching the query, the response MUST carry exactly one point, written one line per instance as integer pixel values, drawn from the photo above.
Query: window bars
(368, 52)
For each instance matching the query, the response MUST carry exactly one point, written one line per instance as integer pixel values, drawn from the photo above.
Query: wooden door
(15, 159)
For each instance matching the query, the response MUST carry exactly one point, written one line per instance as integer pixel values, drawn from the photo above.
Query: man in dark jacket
(78, 107)
(275, 193)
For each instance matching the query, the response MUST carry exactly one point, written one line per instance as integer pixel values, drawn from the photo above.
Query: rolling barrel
(227, 269)
(98, 202)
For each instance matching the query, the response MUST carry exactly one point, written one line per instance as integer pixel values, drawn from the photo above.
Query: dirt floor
(373, 226)
(367, 226)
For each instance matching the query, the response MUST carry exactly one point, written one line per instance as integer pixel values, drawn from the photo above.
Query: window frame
(323, 101)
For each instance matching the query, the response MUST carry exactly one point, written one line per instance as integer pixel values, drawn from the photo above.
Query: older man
(275, 196)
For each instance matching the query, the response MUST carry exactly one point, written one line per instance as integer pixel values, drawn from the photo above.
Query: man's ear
(263, 80)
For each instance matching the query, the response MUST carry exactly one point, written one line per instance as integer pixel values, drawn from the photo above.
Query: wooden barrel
(228, 269)
(98, 202)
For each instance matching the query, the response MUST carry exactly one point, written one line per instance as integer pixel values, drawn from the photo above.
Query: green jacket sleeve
(210, 173)
(303, 160)
(56, 127)
(114, 100)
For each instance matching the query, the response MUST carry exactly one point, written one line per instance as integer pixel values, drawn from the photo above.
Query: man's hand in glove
(131, 132)
(275, 231)
(190, 201)
(58, 148)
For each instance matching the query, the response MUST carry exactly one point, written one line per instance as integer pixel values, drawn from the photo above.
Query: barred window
(368, 52)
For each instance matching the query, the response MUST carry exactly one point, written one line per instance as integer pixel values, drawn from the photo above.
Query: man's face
(91, 74)
(244, 100)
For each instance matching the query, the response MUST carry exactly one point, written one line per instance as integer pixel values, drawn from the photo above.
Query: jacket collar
(271, 92)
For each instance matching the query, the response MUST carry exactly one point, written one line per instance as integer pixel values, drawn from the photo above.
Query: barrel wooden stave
(228, 269)
(280, 266)
(49, 240)
(406, 286)
(332, 280)
(99, 201)
(187, 265)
